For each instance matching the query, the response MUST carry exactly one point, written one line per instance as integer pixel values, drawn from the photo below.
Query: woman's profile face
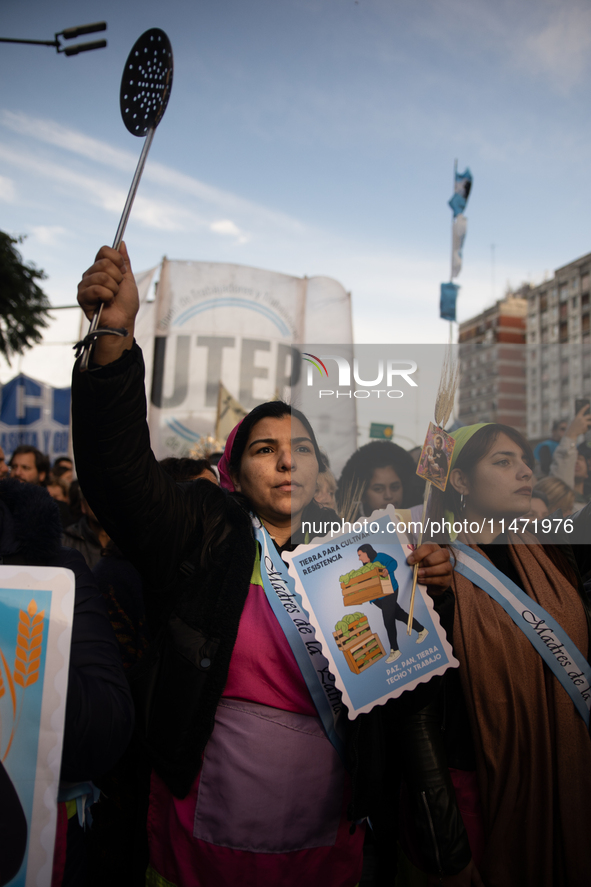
(384, 488)
(278, 469)
(500, 485)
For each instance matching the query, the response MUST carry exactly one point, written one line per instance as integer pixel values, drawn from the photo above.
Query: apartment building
(558, 346)
(493, 364)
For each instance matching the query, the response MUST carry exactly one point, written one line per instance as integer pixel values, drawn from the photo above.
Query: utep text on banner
(36, 414)
(235, 326)
(36, 613)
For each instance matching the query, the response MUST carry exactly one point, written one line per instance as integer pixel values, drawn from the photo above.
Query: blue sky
(310, 137)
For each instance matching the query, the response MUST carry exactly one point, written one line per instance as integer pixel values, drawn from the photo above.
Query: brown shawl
(533, 749)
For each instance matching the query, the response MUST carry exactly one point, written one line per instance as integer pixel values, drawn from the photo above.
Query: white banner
(146, 318)
(235, 325)
(459, 235)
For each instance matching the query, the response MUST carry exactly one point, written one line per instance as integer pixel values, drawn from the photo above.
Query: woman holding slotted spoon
(245, 735)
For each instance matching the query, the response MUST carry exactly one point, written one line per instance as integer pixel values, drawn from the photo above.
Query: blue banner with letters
(36, 414)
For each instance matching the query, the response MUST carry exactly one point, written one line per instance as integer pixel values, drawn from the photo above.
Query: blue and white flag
(458, 237)
(447, 302)
(461, 191)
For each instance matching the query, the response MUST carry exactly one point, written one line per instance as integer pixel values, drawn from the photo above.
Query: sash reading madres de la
(556, 648)
(279, 589)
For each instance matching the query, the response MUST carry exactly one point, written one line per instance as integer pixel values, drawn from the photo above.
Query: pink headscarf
(224, 464)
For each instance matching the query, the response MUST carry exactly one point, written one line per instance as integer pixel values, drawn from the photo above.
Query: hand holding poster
(356, 590)
(36, 611)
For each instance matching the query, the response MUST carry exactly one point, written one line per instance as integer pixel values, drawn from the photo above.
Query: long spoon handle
(415, 571)
(120, 232)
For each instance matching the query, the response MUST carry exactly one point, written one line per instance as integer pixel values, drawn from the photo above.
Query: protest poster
(36, 612)
(356, 588)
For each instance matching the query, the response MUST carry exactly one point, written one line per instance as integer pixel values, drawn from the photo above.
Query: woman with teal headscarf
(519, 751)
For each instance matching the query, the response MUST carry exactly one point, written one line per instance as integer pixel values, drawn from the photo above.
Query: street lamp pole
(68, 34)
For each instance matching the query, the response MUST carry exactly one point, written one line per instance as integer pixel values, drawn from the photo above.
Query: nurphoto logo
(387, 371)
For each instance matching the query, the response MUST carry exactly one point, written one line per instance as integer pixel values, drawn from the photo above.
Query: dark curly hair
(185, 469)
(358, 472)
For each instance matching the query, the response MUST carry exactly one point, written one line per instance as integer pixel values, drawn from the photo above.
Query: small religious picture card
(355, 590)
(436, 454)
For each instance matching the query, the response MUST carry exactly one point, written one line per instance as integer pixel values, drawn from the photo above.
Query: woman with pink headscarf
(245, 730)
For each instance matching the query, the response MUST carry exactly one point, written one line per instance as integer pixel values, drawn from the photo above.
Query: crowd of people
(195, 739)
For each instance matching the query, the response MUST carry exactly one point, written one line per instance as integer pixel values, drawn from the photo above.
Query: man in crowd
(29, 465)
(63, 469)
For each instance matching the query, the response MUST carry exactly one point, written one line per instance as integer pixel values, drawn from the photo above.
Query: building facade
(559, 346)
(493, 363)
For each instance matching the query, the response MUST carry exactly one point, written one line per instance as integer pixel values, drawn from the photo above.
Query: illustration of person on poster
(391, 609)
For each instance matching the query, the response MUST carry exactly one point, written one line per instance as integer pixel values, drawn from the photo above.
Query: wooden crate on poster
(366, 587)
(358, 629)
(364, 653)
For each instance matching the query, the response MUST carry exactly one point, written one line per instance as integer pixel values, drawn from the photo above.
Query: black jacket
(99, 709)
(80, 537)
(194, 608)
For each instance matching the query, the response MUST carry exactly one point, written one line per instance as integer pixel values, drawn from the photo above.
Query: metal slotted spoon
(145, 90)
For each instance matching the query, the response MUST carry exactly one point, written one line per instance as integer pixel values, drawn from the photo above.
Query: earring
(462, 503)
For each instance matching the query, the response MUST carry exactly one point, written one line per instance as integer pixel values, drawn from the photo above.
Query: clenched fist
(111, 283)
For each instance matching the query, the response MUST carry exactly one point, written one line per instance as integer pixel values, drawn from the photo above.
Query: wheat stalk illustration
(29, 643)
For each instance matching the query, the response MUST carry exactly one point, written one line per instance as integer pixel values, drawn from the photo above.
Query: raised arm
(110, 283)
(150, 518)
(565, 455)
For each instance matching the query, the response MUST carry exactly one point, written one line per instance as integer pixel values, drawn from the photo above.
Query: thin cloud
(157, 214)
(52, 133)
(228, 228)
(561, 49)
(48, 235)
(7, 190)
